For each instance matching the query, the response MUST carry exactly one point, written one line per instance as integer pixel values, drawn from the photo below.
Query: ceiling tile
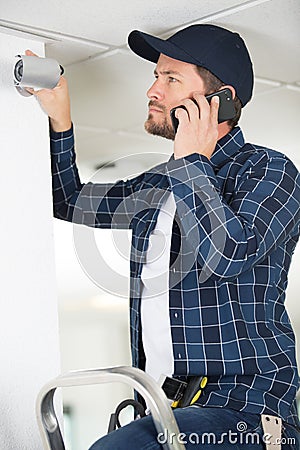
(68, 53)
(109, 21)
(272, 33)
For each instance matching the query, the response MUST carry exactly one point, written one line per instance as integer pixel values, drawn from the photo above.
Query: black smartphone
(226, 107)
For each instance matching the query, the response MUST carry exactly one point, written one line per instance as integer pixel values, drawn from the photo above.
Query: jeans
(200, 428)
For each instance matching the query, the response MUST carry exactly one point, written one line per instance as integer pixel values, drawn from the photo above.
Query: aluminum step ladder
(154, 396)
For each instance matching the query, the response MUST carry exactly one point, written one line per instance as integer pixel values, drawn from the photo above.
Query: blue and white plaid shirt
(236, 226)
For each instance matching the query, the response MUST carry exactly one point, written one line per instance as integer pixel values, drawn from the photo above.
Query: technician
(212, 303)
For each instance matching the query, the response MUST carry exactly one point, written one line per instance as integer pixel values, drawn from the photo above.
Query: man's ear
(227, 86)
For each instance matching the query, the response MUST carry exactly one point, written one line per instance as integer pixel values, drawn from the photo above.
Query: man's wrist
(60, 126)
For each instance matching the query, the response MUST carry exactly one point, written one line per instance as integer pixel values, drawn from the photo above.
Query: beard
(162, 129)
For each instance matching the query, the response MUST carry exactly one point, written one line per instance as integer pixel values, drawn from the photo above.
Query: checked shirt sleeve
(100, 205)
(230, 237)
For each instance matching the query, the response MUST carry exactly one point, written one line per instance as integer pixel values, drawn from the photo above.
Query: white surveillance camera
(37, 73)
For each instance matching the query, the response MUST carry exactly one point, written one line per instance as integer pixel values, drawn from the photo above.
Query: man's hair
(213, 84)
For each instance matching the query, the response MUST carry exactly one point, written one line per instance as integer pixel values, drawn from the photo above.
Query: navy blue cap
(218, 50)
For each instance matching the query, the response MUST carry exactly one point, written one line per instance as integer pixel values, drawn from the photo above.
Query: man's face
(175, 81)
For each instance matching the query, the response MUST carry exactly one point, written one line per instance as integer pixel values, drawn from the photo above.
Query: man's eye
(172, 79)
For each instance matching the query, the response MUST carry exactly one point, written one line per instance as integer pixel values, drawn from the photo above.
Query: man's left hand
(197, 131)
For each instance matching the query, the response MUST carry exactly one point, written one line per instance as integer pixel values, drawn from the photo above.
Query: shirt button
(179, 355)
(176, 315)
(174, 270)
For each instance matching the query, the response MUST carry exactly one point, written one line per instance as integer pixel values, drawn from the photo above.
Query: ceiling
(108, 83)
(108, 86)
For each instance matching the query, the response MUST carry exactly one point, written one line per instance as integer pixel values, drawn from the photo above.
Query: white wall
(29, 346)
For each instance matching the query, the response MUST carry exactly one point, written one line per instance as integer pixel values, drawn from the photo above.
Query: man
(213, 303)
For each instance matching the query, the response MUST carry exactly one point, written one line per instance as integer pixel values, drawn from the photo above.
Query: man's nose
(155, 92)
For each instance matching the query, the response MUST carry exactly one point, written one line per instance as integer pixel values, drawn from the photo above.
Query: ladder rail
(154, 396)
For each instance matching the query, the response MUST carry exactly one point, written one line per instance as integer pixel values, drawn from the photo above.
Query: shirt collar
(227, 146)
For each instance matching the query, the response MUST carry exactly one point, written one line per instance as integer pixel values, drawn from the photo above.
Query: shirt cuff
(191, 168)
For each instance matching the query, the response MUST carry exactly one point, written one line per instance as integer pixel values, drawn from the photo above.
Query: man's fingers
(214, 108)
(29, 53)
(203, 106)
(201, 110)
(182, 115)
(192, 108)
(30, 90)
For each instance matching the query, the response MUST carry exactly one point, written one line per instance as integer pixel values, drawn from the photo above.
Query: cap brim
(150, 47)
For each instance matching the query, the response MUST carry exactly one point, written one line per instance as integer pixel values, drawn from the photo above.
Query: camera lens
(19, 70)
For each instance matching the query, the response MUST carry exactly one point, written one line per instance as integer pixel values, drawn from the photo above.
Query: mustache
(156, 104)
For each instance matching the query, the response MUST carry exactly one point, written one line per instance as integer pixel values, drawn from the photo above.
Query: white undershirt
(156, 330)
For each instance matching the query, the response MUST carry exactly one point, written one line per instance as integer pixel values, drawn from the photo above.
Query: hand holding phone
(226, 107)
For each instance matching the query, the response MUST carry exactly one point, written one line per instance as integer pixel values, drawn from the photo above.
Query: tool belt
(184, 393)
